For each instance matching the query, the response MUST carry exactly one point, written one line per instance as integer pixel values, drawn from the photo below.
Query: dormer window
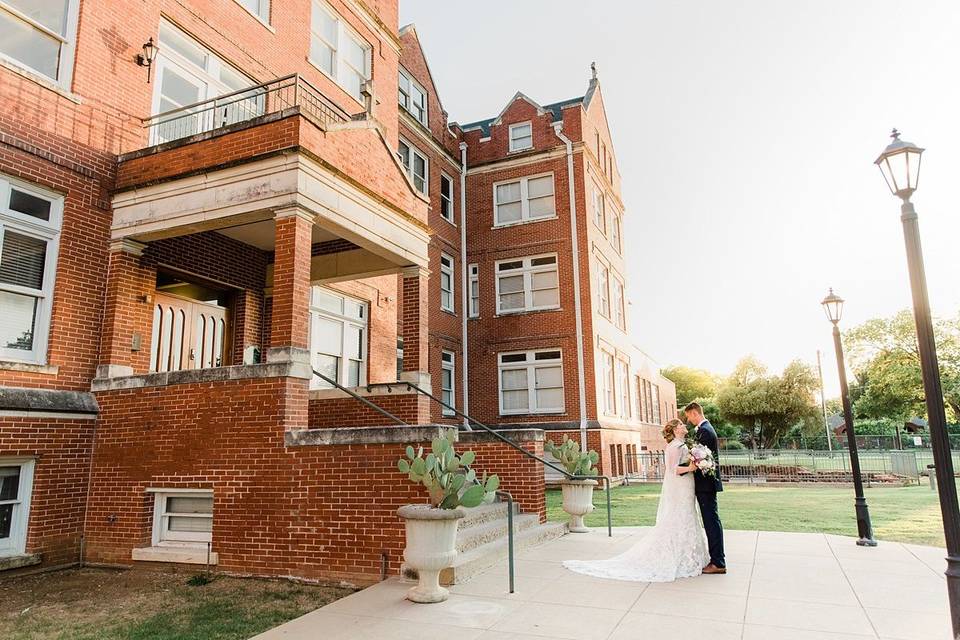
(412, 97)
(521, 136)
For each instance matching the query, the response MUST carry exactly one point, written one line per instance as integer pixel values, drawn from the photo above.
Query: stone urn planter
(431, 547)
(578, 502)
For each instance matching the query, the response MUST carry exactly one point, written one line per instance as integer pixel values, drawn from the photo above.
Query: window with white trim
(448, 381)
(182, 518)
(337, 51)
(655, 402)
(609, 384)
(524, 200)
(599, 210)
(416, 164)
(40, 36)
(16, 487)
(446, 197)
(30, 220)
(412, 97)
(527, 284)
(603, 289)
(623, 387)
(614, 232)
(474, 285)
(259, 8)
(531, 382)
(619, 314)
(338, 338)
(446, 282)
(521, 136)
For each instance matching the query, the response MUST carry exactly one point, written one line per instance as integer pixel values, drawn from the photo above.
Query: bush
(733, 445)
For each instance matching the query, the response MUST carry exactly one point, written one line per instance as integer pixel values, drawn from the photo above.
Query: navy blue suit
(706, 488)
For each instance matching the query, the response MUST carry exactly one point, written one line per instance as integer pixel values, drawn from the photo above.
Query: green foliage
(576, 462)
(448, 476)
(711, 411)
(692, 384)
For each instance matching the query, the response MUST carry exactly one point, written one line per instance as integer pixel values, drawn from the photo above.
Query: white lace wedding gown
(675, 548)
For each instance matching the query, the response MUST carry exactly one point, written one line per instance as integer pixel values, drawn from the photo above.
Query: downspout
(578, 307)
(464, 283)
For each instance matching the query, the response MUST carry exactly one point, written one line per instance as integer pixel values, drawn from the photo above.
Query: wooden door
(188, 334)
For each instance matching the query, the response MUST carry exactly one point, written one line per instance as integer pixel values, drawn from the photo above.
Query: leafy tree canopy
(692, 384)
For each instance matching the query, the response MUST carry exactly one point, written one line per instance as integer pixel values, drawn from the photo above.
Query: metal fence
(803, 465)
(820, 443)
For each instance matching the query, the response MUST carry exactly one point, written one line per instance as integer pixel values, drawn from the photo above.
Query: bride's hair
(669, 428)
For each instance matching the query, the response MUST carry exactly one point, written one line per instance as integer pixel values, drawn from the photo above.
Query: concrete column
(290, 320)
(128, 312)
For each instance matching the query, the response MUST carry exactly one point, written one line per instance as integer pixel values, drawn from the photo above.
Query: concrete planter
(578, 502)
(431, 547)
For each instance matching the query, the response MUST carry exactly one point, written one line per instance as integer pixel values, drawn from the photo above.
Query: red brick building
(183, 242)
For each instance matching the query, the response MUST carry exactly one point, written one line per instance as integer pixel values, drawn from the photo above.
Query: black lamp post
(900, 165)
(833, 306)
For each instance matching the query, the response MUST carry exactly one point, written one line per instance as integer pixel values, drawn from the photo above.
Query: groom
(707, 487)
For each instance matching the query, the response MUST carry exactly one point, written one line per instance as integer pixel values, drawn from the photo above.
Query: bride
(676, 546)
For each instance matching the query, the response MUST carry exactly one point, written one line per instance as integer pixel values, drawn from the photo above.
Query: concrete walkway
(783, 586)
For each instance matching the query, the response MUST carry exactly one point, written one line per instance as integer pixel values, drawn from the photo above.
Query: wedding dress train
(675, 548)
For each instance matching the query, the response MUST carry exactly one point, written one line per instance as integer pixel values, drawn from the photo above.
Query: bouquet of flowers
(703, 458)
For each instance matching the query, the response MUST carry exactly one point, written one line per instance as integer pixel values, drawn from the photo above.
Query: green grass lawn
(903, 514)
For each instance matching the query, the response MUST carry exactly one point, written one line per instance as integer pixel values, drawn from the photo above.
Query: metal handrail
(357, 396)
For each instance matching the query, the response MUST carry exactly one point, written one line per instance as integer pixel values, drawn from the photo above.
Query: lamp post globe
(900, 165)
(833, 307)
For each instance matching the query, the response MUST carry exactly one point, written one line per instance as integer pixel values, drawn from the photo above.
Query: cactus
(576, 462)
(448, 476)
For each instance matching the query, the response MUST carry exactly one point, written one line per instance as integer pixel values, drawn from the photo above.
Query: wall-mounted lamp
(145, 59)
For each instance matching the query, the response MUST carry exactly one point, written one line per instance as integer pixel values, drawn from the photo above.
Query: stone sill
(364, 435)
(19, 561)
(29, 367)
(514, 435)
(213, 374)
(177, 555)
(366, 391)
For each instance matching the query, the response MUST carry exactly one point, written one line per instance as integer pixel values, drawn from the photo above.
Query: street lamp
(833, 307)
(900, 165)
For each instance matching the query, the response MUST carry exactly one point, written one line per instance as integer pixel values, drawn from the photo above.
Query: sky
(745, 133)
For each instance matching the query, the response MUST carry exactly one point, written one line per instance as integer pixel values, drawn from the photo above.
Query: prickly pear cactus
(448, 476)
(576, 462)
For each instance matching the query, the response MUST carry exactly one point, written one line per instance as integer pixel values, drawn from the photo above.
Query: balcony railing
(276, 96)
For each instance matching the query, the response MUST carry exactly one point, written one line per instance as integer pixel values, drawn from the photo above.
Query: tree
(692, 384)
(766, 406)
(886, 361)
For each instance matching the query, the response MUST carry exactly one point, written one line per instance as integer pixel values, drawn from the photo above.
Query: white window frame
(448, 364)
(68, 43)
(447, 199)
(447, 268)
(623, 386)
(618, 311)
(530, 364)
(603, 289)
(609, 382)
(49, 231)
(474, 286)
(655, 402)
(615, 232)
(262, 13)
(161, 533)
(408, 164)
(340, 63)
(527, 271)
(344, 319)
(514, 142)
(16, 544)
(599, 209)
(524, 201)
(406, 98)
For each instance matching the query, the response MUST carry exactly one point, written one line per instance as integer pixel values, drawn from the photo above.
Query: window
(655, 402)
(524, 200)
(16, 486)
(619, 315)
(638, 385)
(521, 136)
(527, 284)
(338, 51)
(259, 8)
(412, 97)
(648, 401)
(531, 382)
(474, 291)
(446, 197)
(599, 212)
(446, 283)
(447, 377)
(609, 384)
(338, 343)
(29, 237)
(182, 518)
(603, 292)
(614, 232)
(623, 386)
(416, 165)
(40, 36)
(399, 357)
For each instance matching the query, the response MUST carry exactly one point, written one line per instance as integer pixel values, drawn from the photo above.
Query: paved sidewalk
(783, 586)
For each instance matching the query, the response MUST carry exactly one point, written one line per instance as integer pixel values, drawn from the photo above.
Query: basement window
(183, 518)
(16, 484)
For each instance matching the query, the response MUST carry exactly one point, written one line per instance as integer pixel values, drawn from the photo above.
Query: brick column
(290, 319)
(128, 312)
(416, 336)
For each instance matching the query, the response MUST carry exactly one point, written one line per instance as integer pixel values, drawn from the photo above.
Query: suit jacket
(707, 435)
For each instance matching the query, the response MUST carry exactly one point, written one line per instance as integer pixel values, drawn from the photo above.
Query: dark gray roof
(554, 108)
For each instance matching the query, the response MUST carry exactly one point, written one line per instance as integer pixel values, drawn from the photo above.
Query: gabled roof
(416, 36)
(554, 108)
